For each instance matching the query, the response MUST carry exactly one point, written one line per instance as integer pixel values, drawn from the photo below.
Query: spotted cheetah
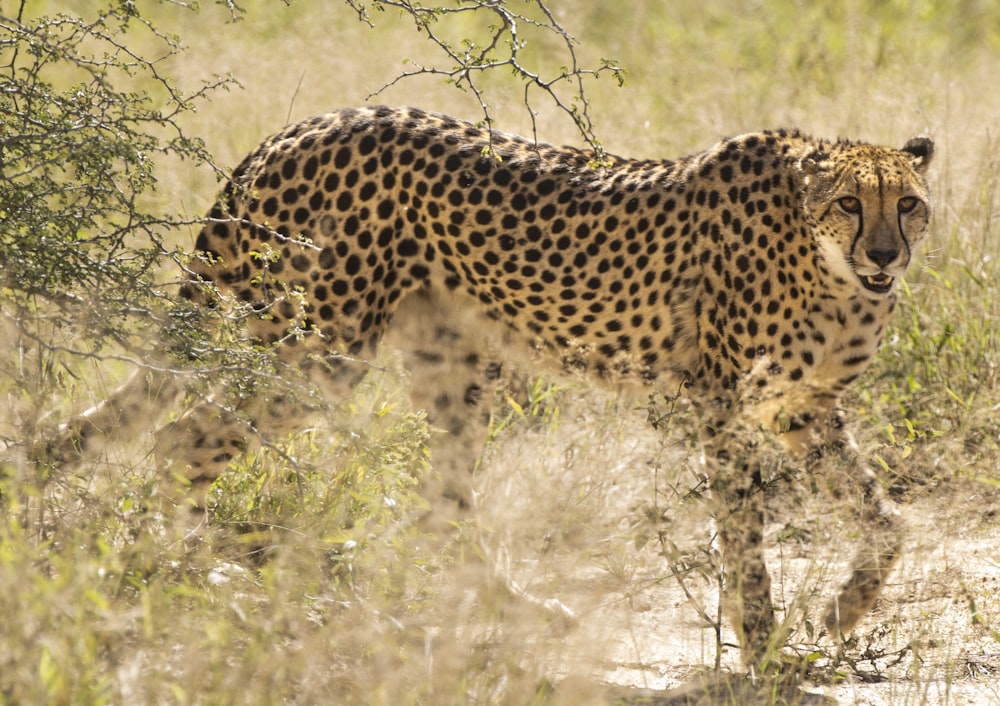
(759, 275)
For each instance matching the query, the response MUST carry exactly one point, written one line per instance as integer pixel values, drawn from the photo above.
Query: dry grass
(318, 584)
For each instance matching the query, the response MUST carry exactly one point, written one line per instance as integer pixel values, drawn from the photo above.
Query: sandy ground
(566, 509)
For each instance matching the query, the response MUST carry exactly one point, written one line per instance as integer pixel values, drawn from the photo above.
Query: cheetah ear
(815, 161)
(921, 149)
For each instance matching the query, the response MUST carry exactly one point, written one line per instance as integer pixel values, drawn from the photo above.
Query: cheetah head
(868, 207)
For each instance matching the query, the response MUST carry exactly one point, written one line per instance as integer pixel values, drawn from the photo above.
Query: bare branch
(465, 61)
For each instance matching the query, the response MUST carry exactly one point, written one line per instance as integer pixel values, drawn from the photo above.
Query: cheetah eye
(849, 204)
(907, 204)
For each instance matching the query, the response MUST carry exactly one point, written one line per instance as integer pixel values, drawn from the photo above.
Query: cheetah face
(869, 207)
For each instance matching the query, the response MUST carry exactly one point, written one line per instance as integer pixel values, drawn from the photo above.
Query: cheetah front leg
(880, 549)
(738, 498)
(738, 494)
(823, 440)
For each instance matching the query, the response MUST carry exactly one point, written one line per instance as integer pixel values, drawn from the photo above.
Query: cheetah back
(695, 269)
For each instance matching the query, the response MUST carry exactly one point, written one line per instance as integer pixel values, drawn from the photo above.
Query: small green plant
(929, 393)
(532, 401)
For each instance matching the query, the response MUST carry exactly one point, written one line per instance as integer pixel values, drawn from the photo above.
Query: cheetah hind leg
(190, 452)
(453, 380)
(193, 451)
(196, 449)
(121, 417)
(455, 370)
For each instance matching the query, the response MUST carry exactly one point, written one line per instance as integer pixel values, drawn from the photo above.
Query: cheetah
(759, 276)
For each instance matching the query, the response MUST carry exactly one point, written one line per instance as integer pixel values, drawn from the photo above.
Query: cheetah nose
(882, 258)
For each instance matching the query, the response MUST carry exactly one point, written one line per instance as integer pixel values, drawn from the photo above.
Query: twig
(467, 61)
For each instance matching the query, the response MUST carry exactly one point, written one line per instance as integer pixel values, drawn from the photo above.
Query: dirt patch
(566, 509)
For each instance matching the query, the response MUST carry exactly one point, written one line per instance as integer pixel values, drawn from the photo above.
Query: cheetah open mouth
(880, 283)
